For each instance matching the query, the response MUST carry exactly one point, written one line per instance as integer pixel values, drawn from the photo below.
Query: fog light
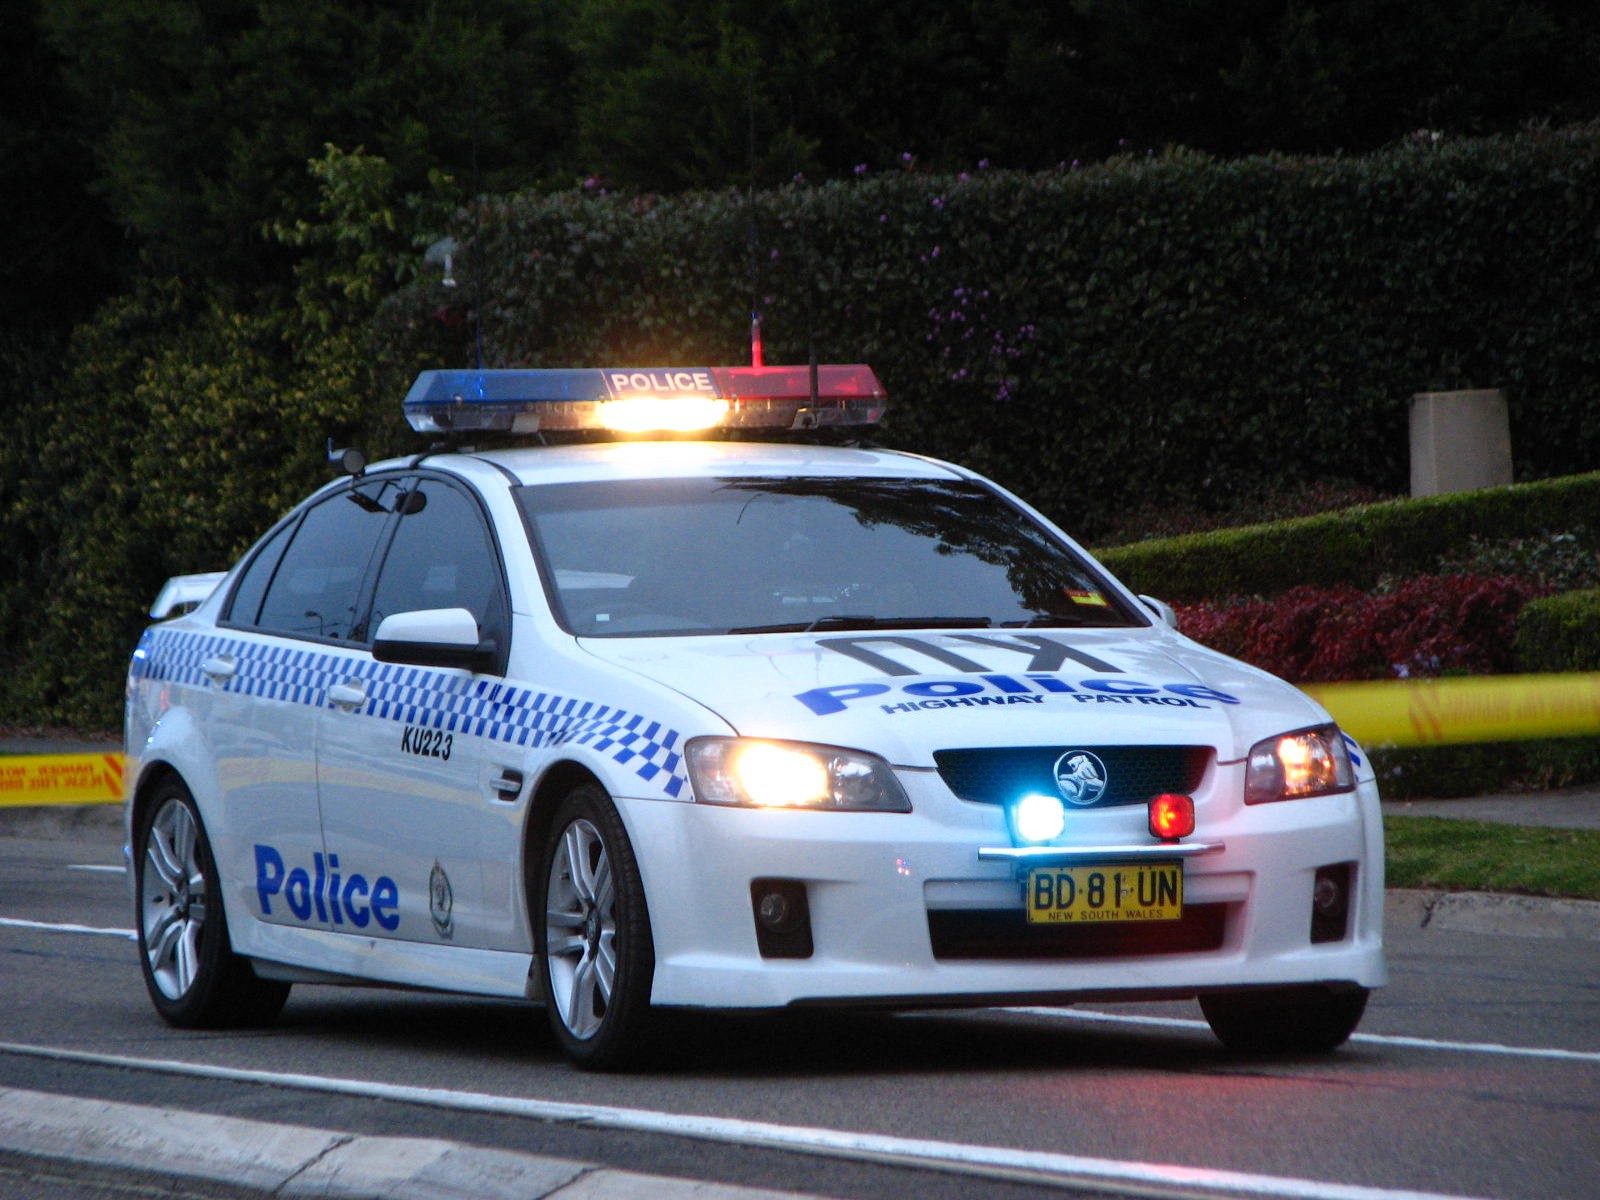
(782, 918)
(775, 912)
(1330, 903)
(1171, 816)
(1038, 818)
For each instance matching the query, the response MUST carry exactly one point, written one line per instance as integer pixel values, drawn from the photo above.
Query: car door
(267, 672)
(409, 774)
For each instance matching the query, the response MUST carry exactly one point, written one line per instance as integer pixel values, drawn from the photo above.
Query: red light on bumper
(1171, 816)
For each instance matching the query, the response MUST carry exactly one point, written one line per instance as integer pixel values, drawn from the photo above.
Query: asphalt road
(1476, 1073)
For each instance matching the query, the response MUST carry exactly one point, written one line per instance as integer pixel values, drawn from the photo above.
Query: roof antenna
(476, 200)
(757, 354)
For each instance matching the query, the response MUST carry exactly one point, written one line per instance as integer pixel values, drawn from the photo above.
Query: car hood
(904, 695)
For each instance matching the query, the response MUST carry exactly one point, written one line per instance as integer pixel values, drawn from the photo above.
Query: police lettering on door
(334, 898)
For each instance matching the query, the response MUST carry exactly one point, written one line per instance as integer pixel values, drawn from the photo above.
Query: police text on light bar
(644, 399)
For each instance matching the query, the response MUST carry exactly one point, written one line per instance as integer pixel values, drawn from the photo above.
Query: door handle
(219, 668)
(348, 695)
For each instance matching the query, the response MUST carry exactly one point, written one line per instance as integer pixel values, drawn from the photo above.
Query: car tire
(194, 978)
(596, 956)
(1291, 1020)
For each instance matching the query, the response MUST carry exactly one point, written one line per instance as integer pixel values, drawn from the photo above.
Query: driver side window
(441, 557)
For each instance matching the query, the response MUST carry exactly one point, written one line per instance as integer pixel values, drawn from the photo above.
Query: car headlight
(763, 774)
(1293, 766)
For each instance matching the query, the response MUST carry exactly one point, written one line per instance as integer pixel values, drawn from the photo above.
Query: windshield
(663, 557)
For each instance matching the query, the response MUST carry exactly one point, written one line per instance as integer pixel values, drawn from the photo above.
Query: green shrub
(1356, 546)
(1154, 330)
(1561, 633)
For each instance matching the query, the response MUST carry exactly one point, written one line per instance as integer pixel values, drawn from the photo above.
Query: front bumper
(903, 910)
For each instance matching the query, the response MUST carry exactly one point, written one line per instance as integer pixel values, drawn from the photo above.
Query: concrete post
(1459, 441)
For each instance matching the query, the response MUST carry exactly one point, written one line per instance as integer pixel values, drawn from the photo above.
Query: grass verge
(1477, 856)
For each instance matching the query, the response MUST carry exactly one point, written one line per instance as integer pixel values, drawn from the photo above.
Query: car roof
(597, 462)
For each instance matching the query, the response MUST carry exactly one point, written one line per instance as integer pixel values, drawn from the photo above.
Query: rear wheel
(1291, 1020)
(596, 954)
(190, 970)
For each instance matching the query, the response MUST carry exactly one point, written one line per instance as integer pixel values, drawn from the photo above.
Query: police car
(644, 720)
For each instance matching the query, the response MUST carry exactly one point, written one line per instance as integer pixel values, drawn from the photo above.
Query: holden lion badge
(1080, 777)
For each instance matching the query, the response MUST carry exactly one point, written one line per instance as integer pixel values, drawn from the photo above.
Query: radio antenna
(757, 354)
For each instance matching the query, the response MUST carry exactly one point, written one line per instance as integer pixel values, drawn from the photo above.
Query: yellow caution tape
(1452, 710)
(1389, 712)
(28, 779)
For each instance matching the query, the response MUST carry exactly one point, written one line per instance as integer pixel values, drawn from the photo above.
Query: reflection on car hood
(905, 694)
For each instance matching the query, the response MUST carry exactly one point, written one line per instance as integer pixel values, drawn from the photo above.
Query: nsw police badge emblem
(440, 901)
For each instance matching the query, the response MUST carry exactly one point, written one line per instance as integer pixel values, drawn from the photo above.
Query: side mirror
(1163, 611)
(435, 637)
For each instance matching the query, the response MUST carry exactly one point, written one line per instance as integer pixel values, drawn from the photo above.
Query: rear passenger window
(316, 590)
(246, 605)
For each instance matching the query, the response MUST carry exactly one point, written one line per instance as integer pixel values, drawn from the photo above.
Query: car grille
(1133, 773)
(1006, 934)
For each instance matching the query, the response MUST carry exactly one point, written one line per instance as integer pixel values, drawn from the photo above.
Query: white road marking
(97, 867)
(1168, 1179)
(1376, 1039)
(56, 927)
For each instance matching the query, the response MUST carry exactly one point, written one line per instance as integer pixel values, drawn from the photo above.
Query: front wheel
(192, 974)
(1290, 1020)
(596, 955)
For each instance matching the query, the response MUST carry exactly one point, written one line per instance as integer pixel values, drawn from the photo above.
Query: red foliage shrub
(1428, 625)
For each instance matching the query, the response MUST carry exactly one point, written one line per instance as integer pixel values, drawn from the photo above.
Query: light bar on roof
(644, 399)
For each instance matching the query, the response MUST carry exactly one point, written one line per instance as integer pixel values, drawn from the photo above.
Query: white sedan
(627, 721)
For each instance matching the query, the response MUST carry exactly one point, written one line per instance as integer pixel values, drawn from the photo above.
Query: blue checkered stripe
(496, 710)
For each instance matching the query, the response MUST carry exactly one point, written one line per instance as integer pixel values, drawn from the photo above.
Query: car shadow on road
(796, 1043)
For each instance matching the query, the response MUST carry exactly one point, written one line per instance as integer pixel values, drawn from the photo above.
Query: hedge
(1356, 546)
(1159, 328)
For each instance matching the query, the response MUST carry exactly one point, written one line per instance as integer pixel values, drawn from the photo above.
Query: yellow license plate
(1110, 892)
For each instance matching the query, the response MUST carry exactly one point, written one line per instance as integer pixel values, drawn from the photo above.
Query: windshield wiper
(1068, 621)
(848, 621)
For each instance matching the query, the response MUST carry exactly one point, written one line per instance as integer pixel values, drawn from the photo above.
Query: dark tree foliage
(186, 126)
(61, 251)
(203, 115)
(670, 93)
(1251, 76)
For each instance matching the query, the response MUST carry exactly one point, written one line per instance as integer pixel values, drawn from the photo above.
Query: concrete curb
(1494, 912)
(289, 1160)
